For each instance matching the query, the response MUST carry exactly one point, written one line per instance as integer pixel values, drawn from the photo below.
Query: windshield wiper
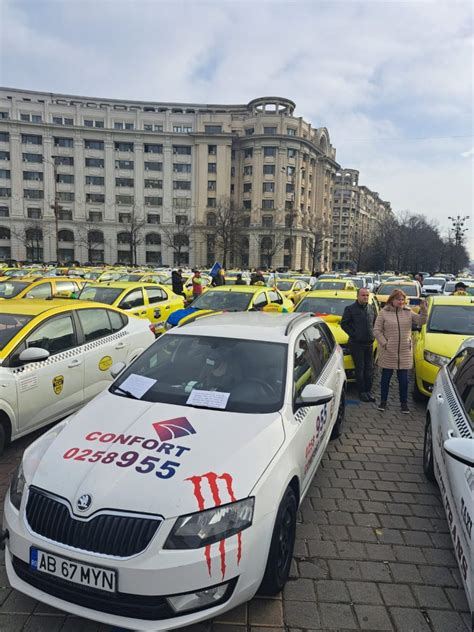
(205, 407)
(125, 392)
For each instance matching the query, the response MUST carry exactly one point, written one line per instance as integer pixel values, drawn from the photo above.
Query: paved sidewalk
(373, 550)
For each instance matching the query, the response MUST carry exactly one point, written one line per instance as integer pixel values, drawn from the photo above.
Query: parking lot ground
(373, 550)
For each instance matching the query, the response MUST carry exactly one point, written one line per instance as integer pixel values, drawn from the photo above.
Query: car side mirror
(460, 450)
(314, 395)
(33, 354)
(117, 368)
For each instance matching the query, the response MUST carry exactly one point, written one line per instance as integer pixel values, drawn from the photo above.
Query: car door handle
(120, 345)
(451, 434)
(74, 363)
(440, 398)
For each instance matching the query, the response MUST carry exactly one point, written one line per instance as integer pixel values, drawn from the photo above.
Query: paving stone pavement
(373, 550)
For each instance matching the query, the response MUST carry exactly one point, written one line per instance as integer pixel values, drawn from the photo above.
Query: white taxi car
(55, 355)
(173, 495)
(448, 455)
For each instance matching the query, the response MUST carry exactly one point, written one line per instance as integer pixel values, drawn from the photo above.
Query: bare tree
(269, 244)
(319, 231)
(134, 230)
(176, 236)
(90, 235)
(226, 222)
(32, 235)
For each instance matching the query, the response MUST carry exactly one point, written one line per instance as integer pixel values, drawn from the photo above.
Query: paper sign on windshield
(138, 385)
(209, 399)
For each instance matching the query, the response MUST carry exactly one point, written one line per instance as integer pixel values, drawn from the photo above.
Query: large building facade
(357, 213)
(92, 179)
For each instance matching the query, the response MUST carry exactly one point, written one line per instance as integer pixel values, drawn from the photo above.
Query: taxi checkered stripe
(70, 353)
(455, 408)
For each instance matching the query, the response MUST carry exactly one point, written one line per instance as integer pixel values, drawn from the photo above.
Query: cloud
(468, 153)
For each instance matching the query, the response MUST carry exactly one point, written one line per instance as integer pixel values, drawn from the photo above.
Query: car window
(462, 373)
(329, 338)
(156, 294)
(275, 297)
(100, 294)
(303, 369)
(95, 323)
(454, 319)
(10, 325)
(40, 291)
(321, 305)
(117, 321)
(260, 301)
(9, 289)
(318, 348)
(55, 335)
(132, 299)
(66, 286)
(228, 301)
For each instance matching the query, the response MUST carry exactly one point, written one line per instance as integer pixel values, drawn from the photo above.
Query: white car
(448, 455)
(172, 497)
(434, 285)
(55, 355)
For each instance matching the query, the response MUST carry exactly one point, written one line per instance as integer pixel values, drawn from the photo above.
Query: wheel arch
(6, 422)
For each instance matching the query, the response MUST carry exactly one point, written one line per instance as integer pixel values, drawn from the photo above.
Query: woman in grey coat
(392, 330)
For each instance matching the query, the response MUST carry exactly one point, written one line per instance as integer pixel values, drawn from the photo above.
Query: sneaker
(364, 397)
(370, 396)
(405, 408)
(382, 406)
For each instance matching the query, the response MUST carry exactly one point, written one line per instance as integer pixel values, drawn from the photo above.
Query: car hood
(444, 344)
(334, 324)
(215, 455)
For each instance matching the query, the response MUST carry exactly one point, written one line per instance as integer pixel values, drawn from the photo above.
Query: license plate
(72, 571)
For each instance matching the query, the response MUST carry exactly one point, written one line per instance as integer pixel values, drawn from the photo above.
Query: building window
(95, 216)
(182, 150)
(33, 213)
(96, 181)
(123, 125)
(181, 202)
(63, 142)
(182, 167)
(153, 218)
(153, 239)
(94, 144)
(153, 149)
(5, 174)
(65, 178)
(268, 187)
(149, 127)
(153, 257)
(125, 218)
(213, 129)
(248, 170)
(246, 221)
(65, 235)
(247, 204)
(182, 129)
(211, 219)
(182, 185)
(4, 232)
(288, 205)
(5, 137)
(290, 171)
(34, 158)
(32, 194)
(268, 204)
(212, 150)
(95, 198)
(269, 152)
(92, 123)
(290, 187)
(7, 192)
(153, 166)
(211, 202)
(124, 164)
(4, 115)
(291, 131)
(249, 131)
(97, 163)
(268, 170)
(4, 155)
(65, 161)
(212, 167)
(153, 200)
(153, 184)
(62, 120)
(181, 219)
(124, 199)
(267, 221)
(269, 130)
(4, 211)
(65, 214)
(65, 196)
(128, 147)
(247, 187)
(248, 153)
(291, 153)
(211, 185)
(30, 139)
(124, 182)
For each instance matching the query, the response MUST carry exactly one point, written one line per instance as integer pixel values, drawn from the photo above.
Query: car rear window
(106, 295)
(227, 301)
(9, 289)
(10, 325)
(386, 290)
(324, 306)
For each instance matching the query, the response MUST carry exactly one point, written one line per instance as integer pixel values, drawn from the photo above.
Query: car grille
(119, 535)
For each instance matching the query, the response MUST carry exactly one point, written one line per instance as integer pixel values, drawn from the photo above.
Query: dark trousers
(402, 375)
(364, 365)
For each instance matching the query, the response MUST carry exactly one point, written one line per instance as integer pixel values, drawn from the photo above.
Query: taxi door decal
(58, 383)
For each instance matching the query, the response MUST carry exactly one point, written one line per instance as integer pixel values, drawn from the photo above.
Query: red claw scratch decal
(213, 483)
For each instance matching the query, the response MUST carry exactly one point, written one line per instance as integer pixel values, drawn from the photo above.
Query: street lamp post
(55, 206)
(458, 228)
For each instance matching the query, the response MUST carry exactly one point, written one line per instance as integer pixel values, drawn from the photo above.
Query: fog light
(427, 386)
(199, 600)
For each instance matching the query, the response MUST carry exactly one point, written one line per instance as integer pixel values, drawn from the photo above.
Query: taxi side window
(66, 286)
(260, 301)
(318, 348)
(156, 295)
(95, 323)
(118, 321)
(463, 379)
(303, 370)
(274, 297)
(328, 337)
(55, 335)
(132, 299)
(40, 291)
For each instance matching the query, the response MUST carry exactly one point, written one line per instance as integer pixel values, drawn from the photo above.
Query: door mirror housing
(117, 368)
(314, 395)
(461, 450)
(33, 354)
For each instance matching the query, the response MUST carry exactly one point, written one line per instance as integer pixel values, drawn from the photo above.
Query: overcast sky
(392, 81)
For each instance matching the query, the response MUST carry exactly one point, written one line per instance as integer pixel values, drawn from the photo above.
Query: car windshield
(14, 273)
(130, 278)
(100, 294)
(358, 282)
(10, 325)
(250, 371)
(386, 290)
(92, 275)
(452, 319)
(324, 306)
(329, 285)
(10, 289)
(226, 301)
(449, 286)
(284, 286)
(434, 281)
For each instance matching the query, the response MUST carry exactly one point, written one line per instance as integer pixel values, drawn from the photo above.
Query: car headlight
(435, 358)
(212, 525)
(16, 487)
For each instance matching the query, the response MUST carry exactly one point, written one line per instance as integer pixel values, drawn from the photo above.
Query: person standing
(197, 284)
(392, 330)
(358, 323)
(460, 289)
(177, 282)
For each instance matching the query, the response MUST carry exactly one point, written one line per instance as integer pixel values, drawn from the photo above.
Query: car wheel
(428, 464)
(281, 547)
(3, 438)
(417, 394)
(340, 420)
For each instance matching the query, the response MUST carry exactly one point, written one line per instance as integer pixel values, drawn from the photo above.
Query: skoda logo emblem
(84, 502)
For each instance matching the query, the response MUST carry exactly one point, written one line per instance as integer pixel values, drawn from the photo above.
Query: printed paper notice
(209, 399)
(137, 385)
(28, 382)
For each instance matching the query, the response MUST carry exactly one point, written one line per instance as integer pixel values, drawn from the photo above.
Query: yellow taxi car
(10, 273)
(233, 298)
(188, 284)
(450, 322)
(329, 305)
(55, 355)
(26, 287)
(293, 289)
(411, 288)
(143, 277)
(152, 301)
(334, 284)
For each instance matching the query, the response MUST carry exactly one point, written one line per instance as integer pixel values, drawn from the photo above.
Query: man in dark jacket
(358, 323)
(177, 282)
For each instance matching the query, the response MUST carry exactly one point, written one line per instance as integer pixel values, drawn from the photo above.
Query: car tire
(3, 438)
(417, 394)
(340, 419)
(281, 547)
(428, 463)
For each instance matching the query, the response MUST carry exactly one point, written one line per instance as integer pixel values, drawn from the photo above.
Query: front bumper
(144, 580)
(425, 375)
